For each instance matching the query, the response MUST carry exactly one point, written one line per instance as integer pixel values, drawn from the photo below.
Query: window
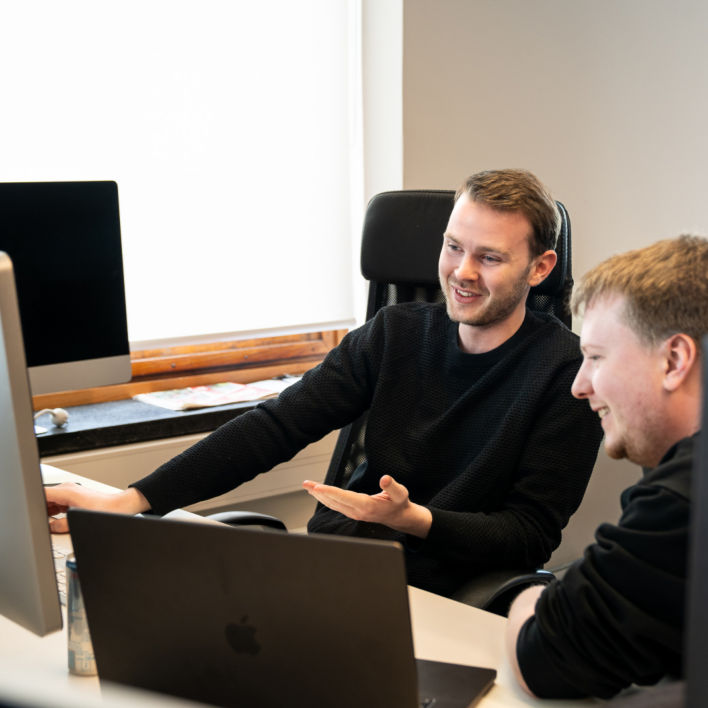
(231, 128)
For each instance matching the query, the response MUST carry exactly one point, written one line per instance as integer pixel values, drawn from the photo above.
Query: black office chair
(401, 242)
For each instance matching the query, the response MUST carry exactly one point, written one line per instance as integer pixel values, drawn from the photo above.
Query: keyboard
(60, 568)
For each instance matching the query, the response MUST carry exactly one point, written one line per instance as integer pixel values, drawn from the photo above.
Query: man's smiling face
(485, 264)
(621, 378)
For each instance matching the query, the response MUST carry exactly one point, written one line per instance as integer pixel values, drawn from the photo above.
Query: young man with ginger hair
(616, 618)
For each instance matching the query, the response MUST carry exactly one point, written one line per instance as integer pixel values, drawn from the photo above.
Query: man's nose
(467, 269)
(581, 385)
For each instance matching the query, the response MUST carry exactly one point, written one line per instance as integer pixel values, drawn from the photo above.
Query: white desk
(443, 630)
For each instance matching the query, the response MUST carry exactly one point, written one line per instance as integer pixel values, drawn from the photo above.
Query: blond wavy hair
(665, 287)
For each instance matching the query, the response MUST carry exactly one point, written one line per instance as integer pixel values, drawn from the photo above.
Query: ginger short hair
(518, 191)
(665, 287)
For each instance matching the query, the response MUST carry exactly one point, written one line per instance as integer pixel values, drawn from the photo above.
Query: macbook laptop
(239, 617)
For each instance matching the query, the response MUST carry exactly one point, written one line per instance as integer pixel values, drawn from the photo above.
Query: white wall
(605, 100)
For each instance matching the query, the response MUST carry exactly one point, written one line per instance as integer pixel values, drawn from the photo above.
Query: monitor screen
(65, 244)
(28, 587)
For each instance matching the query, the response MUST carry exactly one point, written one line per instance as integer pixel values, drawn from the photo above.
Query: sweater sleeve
(616, 617)
(326, 398)
(548, 484)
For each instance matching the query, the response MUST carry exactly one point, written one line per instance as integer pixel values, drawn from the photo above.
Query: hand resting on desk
(69, 494)
(391, 506)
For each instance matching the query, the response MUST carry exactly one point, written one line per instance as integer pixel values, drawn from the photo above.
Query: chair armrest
(248, 518)
(496, 590)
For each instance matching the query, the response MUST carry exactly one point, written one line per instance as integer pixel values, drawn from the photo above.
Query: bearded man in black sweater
(476, 453)
(616, 618)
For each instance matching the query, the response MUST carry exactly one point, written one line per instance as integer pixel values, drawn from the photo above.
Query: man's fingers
(329, 497)
(391, 506)
(352, 504)
(396, 491)
(59, 525)
(62, 495)
(54, 508)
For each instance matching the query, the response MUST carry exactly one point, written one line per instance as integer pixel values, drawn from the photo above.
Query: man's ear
(542, 266)
(681, 357)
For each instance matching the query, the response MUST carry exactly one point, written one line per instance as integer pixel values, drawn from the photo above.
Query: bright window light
(230, 127)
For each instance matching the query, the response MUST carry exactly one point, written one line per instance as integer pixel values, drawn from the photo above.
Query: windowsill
(108, 416)
(99, 425)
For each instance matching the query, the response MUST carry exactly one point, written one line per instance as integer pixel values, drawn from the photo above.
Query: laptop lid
(234, 616)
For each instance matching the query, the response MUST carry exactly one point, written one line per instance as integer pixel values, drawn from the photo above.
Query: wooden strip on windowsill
(179, 367)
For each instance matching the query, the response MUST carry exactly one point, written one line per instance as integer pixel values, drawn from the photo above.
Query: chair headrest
(402, 238)
(402, 235)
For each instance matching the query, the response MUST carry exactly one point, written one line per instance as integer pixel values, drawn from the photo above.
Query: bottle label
(80, 650)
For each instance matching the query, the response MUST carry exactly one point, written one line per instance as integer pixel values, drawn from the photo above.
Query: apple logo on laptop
(242, 637)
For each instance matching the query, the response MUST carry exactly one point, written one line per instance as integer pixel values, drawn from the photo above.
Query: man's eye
(491, 259)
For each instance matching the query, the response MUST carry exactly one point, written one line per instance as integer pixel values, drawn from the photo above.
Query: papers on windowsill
(184, 399)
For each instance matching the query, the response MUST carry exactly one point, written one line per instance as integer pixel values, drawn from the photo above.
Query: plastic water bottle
(81, 659)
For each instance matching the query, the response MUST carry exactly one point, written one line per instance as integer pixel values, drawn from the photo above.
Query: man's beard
(497, 309)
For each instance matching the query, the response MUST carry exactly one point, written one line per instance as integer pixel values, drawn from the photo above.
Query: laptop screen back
(232, 616)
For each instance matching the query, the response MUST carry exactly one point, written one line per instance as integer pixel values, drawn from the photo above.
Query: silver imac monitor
(65, 244)
(28, 587)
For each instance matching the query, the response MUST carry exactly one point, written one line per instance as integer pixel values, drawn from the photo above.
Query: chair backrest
(401, 241)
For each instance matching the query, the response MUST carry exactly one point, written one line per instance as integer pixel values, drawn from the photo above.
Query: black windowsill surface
(126, 422)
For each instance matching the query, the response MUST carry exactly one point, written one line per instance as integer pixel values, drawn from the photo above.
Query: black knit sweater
(494, 444)
(617, 616)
